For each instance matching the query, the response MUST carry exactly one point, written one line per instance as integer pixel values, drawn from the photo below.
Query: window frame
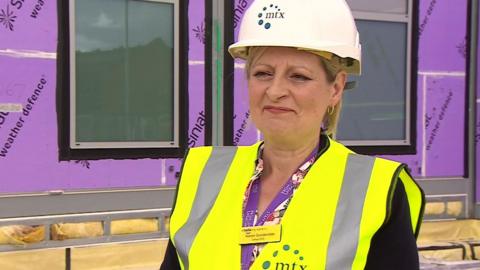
(408, 145)
(66, 92)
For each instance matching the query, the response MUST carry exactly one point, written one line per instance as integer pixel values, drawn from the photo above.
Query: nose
(277, 89)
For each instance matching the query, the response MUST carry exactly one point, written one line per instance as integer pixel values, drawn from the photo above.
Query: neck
(283, 158)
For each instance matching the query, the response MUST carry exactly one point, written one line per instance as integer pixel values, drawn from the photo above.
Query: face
(289, 93)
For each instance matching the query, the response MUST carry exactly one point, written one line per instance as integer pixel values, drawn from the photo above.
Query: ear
(337, 87)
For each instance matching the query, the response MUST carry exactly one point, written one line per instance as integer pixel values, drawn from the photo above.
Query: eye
(299, 77)
(261, 74)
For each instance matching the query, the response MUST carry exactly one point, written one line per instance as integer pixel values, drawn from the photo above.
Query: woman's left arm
(394, 245)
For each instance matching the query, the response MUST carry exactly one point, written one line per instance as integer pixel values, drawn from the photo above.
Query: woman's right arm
(170, 261)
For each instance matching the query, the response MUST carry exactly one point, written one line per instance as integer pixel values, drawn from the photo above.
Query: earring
(330, 110)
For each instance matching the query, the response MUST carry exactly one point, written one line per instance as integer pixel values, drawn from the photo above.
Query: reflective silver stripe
(346, 228)
(209, 186)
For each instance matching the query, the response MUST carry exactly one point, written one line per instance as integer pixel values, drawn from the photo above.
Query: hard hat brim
(240, 50)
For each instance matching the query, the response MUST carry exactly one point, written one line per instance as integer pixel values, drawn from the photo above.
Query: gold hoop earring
(330, 110)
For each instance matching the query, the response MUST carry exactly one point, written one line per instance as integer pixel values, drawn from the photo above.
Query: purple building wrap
(445, 127)
(28, 25)
(442, 35)
(442, 69)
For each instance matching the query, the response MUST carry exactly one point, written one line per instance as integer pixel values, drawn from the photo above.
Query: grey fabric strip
(209, 186)
(346, 228)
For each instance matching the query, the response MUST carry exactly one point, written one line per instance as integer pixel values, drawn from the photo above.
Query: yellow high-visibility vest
(342, 202)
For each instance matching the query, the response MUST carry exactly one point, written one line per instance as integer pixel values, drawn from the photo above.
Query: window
(378, 112)
(123, 62)
(125, 87)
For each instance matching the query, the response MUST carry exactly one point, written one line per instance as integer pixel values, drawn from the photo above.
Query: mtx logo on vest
(286, 259)
(269, 13)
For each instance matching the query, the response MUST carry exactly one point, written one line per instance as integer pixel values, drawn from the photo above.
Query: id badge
(260, 234)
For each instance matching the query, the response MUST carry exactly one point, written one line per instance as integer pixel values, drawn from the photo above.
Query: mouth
(277, 109)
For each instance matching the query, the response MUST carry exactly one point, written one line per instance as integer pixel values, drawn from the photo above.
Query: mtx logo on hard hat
(269, 13)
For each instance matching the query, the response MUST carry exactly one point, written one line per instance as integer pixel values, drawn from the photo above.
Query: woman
(297, 200)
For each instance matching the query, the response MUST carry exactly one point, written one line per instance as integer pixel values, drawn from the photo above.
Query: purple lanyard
(252, 205)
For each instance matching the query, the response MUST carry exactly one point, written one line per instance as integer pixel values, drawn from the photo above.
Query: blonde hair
(331, 66)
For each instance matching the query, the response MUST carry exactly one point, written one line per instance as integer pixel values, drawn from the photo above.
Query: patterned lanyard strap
(253, 197)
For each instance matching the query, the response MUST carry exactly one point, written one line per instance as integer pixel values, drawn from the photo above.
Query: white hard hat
(324, 27)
